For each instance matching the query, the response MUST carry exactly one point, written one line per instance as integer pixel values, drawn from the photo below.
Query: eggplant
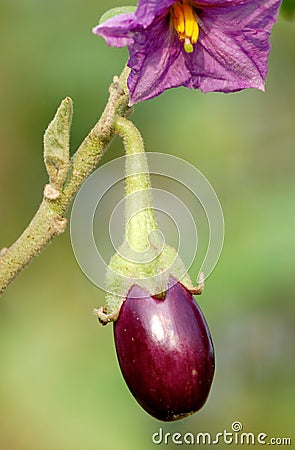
(165, 351)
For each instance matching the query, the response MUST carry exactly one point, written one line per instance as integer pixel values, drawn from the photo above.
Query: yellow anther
(189, 20)
(185, 24)
(178, 18)
(195, 34)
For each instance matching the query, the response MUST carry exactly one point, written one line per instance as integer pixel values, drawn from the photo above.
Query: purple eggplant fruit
(165, 351)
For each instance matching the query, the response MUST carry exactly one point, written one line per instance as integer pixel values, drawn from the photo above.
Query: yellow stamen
(178, 19)
(189, 19)
(195, 34)
(185, 24)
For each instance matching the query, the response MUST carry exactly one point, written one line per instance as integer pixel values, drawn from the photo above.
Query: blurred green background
(60, 385)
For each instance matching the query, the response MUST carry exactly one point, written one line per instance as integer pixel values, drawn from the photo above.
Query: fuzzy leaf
(116, 12)
(57, 144)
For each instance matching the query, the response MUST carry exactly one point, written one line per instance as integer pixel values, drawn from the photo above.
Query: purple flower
(165, 351)
(214, 45)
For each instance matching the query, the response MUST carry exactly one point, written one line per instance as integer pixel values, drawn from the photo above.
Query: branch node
(50, 193)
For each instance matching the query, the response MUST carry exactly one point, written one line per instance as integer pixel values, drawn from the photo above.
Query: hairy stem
(49, 220)
(139, 213)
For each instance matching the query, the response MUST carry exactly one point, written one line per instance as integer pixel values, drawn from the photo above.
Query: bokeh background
(60, 385)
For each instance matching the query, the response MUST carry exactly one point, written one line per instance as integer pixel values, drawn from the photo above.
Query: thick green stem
(139, 212)
(143, 259)
(49, 220)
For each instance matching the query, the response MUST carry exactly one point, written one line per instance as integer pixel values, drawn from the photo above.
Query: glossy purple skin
(165, 352)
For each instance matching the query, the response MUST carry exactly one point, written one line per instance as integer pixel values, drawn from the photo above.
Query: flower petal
(117, 31)
(233, 48)
(148, 10)
(237, 15)
(157, 62)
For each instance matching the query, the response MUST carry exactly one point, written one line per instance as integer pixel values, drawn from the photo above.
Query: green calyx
(143, 259)
(152, 276)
